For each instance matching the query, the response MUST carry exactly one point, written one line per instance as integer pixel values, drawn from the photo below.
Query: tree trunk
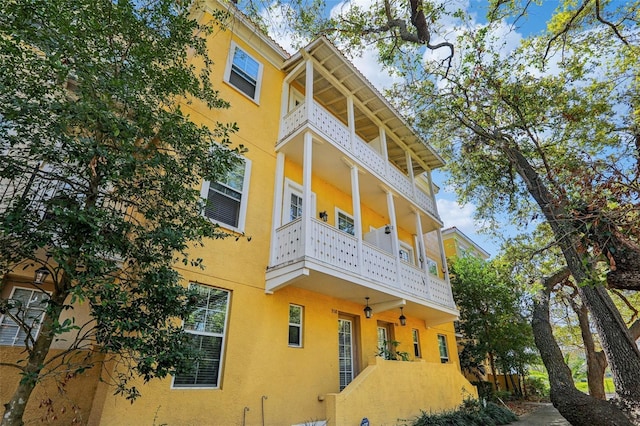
(596, 361)
(14, 409)
(575, 406)
(621, 351)
(492, 364)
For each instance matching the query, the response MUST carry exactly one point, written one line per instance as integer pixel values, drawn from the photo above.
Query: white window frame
(37, 327)
(298, 326)
(432, 266)
(244, 199)
(407, 248)
(292, 187)
(223, 335)
(339, 212)
(442, 344)
(227, 72)
(415, 337)
(295, 98)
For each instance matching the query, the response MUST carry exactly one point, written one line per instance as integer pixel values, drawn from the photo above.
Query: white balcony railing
(338, 134)
(340, 250)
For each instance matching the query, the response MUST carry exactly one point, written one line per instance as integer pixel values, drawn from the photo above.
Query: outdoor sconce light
(387, 229)
(402, 318)
(367, 309)
(323, 215)
(40, 275)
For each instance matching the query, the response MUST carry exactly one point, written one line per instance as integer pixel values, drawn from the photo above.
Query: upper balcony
(347, 157)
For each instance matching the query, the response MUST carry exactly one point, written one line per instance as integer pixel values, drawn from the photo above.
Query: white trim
(406, 247)
(338, 211)
(244, 199)
(446, 347)
(300, 326)
(227, 72)
(222, 344)
(295, 96)
(2, 317)
(293, 187)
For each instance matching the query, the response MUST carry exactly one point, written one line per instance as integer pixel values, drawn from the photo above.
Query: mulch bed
(520, 408)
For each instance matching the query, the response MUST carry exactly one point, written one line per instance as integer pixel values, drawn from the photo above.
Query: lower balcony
(329, 261)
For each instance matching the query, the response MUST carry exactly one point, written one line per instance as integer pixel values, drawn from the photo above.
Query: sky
(451, 212)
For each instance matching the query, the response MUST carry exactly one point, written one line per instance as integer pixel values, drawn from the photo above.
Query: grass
(608, 386)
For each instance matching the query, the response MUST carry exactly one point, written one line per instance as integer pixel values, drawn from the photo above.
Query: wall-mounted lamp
(40, 275)
(324, 216)
(402, 318)
(387, 229)
(367, 309)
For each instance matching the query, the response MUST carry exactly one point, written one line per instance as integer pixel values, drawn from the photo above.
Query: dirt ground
(520, 408)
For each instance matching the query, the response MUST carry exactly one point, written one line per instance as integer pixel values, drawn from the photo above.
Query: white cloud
(454, 214)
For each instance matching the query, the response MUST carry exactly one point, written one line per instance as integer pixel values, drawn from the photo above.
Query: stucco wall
(389, 392)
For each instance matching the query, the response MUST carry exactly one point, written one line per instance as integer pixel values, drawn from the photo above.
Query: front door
(346, 337)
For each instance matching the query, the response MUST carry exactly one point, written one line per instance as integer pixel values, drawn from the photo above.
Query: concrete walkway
(545, 415)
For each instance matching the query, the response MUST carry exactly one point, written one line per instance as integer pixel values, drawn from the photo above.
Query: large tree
(547, 131)
(100, 173)
(491, 317)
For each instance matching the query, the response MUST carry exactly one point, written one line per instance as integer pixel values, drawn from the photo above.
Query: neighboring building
(336, 194)
(457, 244)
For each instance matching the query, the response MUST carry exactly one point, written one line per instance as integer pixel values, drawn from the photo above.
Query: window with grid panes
(207, 328)
(27, 306)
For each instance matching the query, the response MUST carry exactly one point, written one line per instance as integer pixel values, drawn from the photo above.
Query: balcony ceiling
(337, 77)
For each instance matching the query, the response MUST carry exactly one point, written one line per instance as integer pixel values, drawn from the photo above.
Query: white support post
(385, 153)
(357, 212)
(395, 246)
(284, 106)
(308, 89)
(410, 173)
(276, 220)
(422, 254)
(351, 121)
(307, 205)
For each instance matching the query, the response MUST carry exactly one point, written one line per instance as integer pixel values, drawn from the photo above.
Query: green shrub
(470, 413)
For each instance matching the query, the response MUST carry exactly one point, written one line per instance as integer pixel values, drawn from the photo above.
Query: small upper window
(27, 307)
(444, 350)
(416, 342)
(243, 72)
(406, 252)
(295, 326)
(227, 198)
(345, 223)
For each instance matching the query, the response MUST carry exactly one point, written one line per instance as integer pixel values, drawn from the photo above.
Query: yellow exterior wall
(263, 380)
(395, 392)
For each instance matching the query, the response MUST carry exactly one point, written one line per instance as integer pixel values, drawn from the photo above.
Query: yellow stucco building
(345, 263)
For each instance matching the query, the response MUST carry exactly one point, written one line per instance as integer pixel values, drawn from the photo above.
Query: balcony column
(383, 146)
(351, 121)
(307, 214)
(445, 268)
(422, 254)
(357, 213)
(308, 88)
(395, 246)
(278, 193)
(284, 106)
(410, 173)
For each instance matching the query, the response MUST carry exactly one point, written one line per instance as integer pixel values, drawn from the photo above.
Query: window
(442, 346)
(432, 266)
(28, 306)
(227, 198)
(243, 72)
(295, 326)
(416, 343)
(346, 351)
(345, 222)
(406, 252)
(207, 327)
(292, 207)
(386, 348)
(295, 206)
